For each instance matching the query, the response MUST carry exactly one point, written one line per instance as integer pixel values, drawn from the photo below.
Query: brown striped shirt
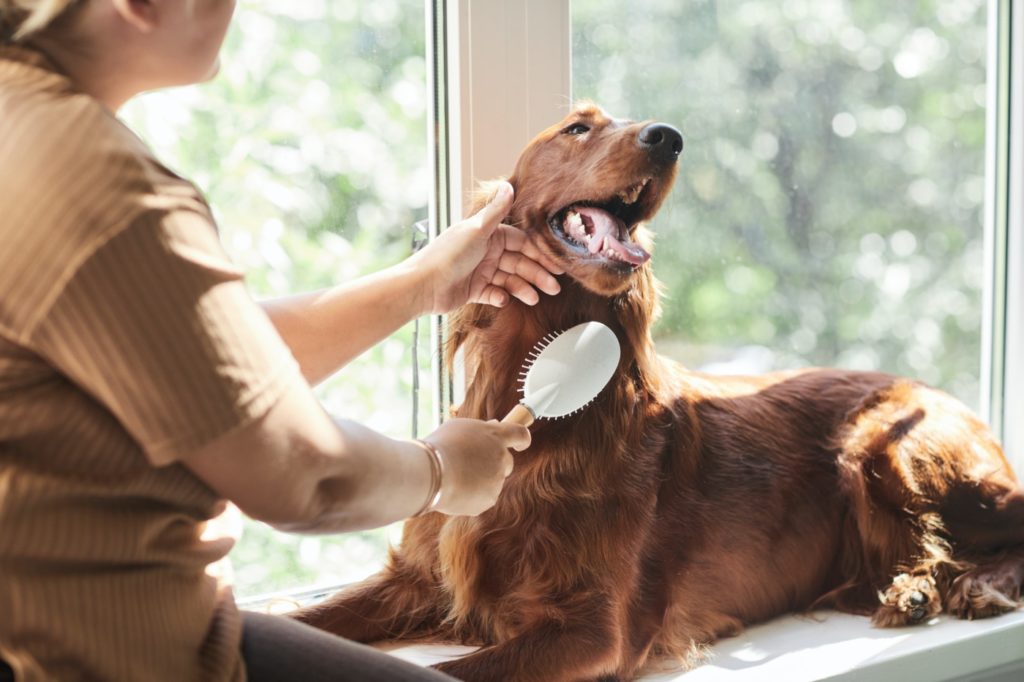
(127, 340)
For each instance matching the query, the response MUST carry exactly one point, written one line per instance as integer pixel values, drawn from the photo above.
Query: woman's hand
(480, 260)
(476, 462)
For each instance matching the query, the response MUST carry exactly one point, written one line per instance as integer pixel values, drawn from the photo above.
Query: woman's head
(123, 47)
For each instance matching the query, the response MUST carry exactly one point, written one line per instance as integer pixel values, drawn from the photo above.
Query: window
(312, 147)
(635, 64)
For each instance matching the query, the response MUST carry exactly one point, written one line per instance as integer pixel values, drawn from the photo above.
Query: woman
(140, 385)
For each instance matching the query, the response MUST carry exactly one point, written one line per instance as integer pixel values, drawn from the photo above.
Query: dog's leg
(931, 493)
(990, 588)
(911, 598)
(384, 606)
(548, 653)
(896, 537)
(898, 553)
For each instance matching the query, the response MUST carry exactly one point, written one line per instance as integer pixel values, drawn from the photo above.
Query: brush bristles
(531, 357)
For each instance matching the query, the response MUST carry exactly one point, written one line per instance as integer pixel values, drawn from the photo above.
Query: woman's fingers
(529, 270)
(494, 295)
(516, 436)
(516, 286)
(488, 262)
(517, 240)
(522, 270)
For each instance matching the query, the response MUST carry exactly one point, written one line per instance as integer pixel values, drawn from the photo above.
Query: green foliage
(829, 207)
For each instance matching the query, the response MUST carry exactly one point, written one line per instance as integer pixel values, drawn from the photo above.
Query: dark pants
(277, 648)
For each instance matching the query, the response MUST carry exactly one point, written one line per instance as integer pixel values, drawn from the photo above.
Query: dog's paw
(911, 599)
(981, 594)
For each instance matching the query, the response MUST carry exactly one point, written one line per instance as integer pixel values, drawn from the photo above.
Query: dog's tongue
(605, 235)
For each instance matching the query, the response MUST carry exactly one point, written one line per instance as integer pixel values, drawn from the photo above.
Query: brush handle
(520, 414)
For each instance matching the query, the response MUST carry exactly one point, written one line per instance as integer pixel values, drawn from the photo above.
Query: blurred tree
(829, 208)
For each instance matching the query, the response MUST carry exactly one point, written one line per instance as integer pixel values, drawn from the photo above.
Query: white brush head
(566, 371)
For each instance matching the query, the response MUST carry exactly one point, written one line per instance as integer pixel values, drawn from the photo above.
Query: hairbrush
(564, 372)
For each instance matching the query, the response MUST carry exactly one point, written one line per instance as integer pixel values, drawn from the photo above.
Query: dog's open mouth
(602, 230)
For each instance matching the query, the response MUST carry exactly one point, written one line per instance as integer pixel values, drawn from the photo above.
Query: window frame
(1003, 330)
(506, 67)
(484, 54)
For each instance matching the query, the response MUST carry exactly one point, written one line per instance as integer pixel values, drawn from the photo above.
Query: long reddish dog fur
(679, 506)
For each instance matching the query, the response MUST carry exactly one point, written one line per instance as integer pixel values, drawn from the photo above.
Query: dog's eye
(576, 129)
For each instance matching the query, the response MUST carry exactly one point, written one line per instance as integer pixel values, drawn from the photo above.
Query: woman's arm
(326, 329)
(477, 260)
(300, 471)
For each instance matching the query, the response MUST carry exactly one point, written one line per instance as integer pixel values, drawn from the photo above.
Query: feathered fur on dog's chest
(506, 570)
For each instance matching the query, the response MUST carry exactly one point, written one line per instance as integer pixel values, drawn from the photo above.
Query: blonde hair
(21, 18)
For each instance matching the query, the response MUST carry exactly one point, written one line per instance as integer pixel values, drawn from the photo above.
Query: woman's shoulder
(61, 141)
(72, 176)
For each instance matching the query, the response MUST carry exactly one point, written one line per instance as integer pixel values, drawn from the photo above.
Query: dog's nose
(662, 142)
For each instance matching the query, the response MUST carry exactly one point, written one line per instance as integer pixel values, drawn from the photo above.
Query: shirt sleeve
(158, 327)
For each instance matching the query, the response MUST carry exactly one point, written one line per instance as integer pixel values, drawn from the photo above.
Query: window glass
(311, 145)
(830, 201)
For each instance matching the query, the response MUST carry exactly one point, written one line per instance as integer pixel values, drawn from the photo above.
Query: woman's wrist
(417, 280)
(436, 461)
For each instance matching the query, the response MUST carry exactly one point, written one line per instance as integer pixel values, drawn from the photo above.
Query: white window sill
(836, 646)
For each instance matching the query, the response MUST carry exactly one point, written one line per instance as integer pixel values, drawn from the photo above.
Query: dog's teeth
(633, 193)
(574, 228)
(630, 195)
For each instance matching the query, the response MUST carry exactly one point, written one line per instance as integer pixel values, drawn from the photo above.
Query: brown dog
(679, 506)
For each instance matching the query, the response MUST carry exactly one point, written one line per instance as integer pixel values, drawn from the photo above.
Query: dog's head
(585, 186)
